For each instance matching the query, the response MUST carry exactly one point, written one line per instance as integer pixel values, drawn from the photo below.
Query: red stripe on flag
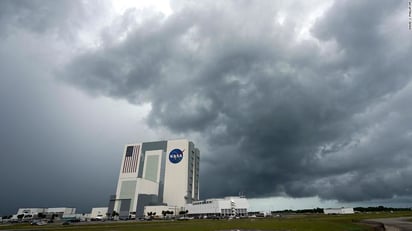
(130, 162)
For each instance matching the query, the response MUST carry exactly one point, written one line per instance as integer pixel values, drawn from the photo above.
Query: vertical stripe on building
(130, 159)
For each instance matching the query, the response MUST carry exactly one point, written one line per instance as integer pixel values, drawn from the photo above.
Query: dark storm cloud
(324, 116)
(46, 160)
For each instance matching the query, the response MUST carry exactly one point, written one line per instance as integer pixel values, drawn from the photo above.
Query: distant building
(61, 211)
(27, 214)
(99, 213)
(31, 211)
(156, 173)
(221, 207)
(338, 211)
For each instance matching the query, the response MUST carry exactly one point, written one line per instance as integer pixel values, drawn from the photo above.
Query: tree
(183, 213)
(53, 216)
(114, 214)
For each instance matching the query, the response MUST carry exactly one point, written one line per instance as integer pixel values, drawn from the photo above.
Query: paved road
(396, 224)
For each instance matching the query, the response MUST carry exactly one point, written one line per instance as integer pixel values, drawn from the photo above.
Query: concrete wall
(31, 211)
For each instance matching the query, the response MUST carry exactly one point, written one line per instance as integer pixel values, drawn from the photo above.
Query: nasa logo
(175, 156)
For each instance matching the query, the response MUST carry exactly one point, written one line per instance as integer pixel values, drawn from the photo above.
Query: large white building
(156, 173)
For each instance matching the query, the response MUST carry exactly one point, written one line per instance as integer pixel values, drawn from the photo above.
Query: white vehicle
(41, 222)
(99, 217)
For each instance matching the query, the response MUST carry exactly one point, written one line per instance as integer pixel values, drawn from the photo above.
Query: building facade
(35, 213)
(156, 173)
(220, 207)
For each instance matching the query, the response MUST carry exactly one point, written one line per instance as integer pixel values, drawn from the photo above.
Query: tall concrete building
(156, 173)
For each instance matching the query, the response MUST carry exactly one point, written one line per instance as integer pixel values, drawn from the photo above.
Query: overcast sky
(298, 103)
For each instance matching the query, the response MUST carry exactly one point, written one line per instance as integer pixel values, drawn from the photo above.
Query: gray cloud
(62, 19)
(322, 116)
(274, 113)
(52, 153)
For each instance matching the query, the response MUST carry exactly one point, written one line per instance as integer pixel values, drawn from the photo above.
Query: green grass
(292, 223)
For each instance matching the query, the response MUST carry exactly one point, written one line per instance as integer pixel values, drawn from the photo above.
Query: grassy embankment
(295, 223)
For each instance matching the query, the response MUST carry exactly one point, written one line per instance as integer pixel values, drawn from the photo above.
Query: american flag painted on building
(130, 159)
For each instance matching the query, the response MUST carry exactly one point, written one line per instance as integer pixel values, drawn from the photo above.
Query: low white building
(61, 211)
(220, 207)
(99, 213)
(27, 214)
(338, 211)
(31, 211)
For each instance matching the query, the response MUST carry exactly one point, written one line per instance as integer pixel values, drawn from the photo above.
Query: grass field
(295, 223)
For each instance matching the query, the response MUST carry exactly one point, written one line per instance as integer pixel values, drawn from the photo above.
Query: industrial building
(221, 207)
(216, 207)
(156, 173)
(27, 214)
(338, 211)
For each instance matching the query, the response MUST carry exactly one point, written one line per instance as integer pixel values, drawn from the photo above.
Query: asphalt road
(396, 224)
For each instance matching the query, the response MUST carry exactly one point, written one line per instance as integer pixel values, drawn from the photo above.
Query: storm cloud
(51, 151)
(286, 108)
(290, 98)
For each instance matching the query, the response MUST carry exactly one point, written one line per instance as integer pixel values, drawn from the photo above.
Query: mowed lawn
(295, 223)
